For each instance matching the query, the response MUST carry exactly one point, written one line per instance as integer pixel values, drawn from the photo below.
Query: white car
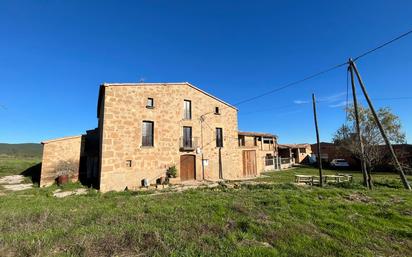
(339, 163)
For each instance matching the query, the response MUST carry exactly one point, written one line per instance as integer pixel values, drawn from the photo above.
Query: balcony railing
(188, 143)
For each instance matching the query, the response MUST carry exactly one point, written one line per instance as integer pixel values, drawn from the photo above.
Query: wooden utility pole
(385, 137)
(317, 140)
(367, 181)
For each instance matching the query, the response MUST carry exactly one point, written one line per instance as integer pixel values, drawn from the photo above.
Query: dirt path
(13, 183)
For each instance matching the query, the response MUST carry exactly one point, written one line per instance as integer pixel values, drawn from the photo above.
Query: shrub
(66, 168)
(171, 171)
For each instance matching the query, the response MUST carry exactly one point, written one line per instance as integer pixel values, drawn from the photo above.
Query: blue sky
(54, 55)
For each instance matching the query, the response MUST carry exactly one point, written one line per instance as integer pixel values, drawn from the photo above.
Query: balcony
(188, 143)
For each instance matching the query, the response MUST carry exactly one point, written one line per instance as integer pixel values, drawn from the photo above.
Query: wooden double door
(187, 167)
(249, 163)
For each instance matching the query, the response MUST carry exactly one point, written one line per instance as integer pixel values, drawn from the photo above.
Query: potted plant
(64, 170)
(171, 172)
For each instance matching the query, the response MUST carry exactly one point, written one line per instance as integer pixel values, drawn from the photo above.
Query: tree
(375, 154)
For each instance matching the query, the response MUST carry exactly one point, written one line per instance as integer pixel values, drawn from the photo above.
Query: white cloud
(300, 102)
(340, 104)
(332, 98)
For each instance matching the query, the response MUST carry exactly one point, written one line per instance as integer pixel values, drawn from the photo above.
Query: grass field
(255, 220)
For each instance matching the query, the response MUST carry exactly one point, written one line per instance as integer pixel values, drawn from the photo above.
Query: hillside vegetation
(29, 150)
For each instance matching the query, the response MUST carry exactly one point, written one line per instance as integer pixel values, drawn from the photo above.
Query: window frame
(152, 103)
(219, 137)
(242, 140)
(187, 113)
(217, 110)
(144, 140)
(190, 139)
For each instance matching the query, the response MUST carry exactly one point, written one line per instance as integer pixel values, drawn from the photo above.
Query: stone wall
(121, 122)
(261, 151)
(58, 150)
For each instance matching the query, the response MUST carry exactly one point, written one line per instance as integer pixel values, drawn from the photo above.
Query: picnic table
(308, 179)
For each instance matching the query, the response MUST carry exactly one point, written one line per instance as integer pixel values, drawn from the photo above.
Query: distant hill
(21, 150)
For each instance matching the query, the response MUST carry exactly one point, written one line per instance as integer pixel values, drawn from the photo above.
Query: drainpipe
(220, 164)
(201, 142)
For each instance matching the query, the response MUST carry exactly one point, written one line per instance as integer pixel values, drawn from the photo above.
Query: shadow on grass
(33, 173)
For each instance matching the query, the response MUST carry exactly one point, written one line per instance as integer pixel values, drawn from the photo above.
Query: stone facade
(122, 112)
(265, 146)
(112, 157)
(67, 149)
(300, 152)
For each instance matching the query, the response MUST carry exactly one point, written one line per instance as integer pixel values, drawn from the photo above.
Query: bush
(171, 172)
(66, 168)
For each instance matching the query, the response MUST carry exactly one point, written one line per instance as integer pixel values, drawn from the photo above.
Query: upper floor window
(217, 110)
(187, 137)
(187, 110)
(219, 137)
(150, 103)
(267, 141)
(255, 141)
(147, 133)
(241, 140)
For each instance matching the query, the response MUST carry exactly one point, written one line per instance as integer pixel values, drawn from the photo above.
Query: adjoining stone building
(263, 145)
(145, 128)
(299, 152)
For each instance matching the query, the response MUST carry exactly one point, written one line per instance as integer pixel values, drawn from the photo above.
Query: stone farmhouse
(145, 128)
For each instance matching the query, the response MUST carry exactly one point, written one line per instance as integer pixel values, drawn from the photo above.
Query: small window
(217, 110)
(255, 141)
(241, 140)
(147, 133)
(128, 163)
(302, 150)
(187, 137)
(267, 141)
(187, 110)
(150, 103)
(219, 137)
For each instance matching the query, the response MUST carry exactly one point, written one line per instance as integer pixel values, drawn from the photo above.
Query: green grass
(256, 220)
(15, 166)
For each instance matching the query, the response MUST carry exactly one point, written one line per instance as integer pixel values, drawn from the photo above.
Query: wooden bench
(303, 178)
(307, 179)
(314, 180)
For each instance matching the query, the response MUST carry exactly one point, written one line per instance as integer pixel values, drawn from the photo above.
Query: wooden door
(187, 167)
(249, 163)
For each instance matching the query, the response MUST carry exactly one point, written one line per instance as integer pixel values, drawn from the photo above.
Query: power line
(383, 45)
(291, 84)
(393, 98)
(321, 72)
(266, 109)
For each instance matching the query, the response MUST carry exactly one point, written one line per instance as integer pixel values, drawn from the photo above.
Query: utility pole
(317, 139)
(367, 181)
(385, 137)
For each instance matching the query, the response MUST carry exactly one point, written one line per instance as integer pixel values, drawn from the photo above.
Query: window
(147, 133)
(255, 139)
(267, 141)
(219, 137)
(241, 140)
(128, 163)
(187, 137)
(217, 111)
(187, 110)
(302, 150)
(150, 103)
